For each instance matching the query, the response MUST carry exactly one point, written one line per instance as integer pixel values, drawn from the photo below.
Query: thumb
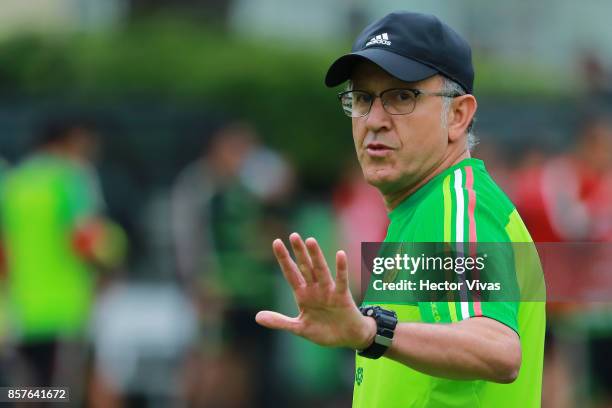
(277, 321)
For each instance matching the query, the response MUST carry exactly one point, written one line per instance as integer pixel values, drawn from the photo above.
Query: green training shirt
(461, 204)
(50, 286)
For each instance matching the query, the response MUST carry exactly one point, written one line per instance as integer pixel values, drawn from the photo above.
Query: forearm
(466, 350)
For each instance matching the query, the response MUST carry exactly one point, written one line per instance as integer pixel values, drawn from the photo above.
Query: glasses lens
(356, 103)
(398, 101)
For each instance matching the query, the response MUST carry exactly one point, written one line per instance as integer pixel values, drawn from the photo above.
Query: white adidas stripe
(465, 310)
(460, 209)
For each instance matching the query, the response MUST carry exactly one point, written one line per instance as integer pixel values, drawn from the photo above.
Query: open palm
(328, 314)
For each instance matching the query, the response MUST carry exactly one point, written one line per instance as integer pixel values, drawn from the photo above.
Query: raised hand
(328, 314)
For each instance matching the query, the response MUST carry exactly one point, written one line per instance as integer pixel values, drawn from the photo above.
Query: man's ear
(462, 111)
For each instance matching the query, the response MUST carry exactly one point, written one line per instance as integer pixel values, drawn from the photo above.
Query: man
(54, 233)
(410, 100)
(211, 253)
(567, 198)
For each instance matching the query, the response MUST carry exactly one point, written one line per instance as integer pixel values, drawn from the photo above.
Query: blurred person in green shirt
(218, 224)
(3, 314)
(55, 236)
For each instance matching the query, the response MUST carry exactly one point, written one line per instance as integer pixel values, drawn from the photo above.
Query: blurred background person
(221, 237)
(4, 348)
(566, 198)
(55, 236)
(354, 199)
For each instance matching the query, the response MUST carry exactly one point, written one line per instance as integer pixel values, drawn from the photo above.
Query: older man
(409, 97)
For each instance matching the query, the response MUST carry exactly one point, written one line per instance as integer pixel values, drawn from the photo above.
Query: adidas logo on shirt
(379, 39)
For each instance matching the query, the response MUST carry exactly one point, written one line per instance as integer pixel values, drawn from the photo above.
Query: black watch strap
(386, 320)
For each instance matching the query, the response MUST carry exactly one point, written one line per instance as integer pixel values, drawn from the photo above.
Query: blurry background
(152, 150)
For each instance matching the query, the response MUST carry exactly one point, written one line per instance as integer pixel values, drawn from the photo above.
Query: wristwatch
(386, 320)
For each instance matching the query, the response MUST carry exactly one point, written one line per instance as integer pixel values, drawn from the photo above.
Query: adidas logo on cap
(379, 39)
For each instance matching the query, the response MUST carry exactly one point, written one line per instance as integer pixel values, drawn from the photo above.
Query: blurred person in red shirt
(566, 198)
(354, 199)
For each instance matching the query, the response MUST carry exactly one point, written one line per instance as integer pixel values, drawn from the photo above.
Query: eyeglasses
(356, 104)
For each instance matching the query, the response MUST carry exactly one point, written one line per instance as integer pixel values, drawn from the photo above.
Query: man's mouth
(378, 149)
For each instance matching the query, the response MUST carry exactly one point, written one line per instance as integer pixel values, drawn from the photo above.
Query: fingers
(302, 258)
(342, 283)
(289, 268)
(320, 269)
(277, 321)
(311, 265)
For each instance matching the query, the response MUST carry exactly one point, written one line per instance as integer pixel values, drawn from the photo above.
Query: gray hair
(450, 86)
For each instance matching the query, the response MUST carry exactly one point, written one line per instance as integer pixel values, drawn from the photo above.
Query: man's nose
(378, 118)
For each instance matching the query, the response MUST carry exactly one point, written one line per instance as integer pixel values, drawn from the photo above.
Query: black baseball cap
(410, 47)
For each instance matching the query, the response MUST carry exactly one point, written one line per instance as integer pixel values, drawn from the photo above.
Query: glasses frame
(417, 92)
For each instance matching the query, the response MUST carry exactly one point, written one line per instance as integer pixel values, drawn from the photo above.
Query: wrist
(366, 334)
(386, 321)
